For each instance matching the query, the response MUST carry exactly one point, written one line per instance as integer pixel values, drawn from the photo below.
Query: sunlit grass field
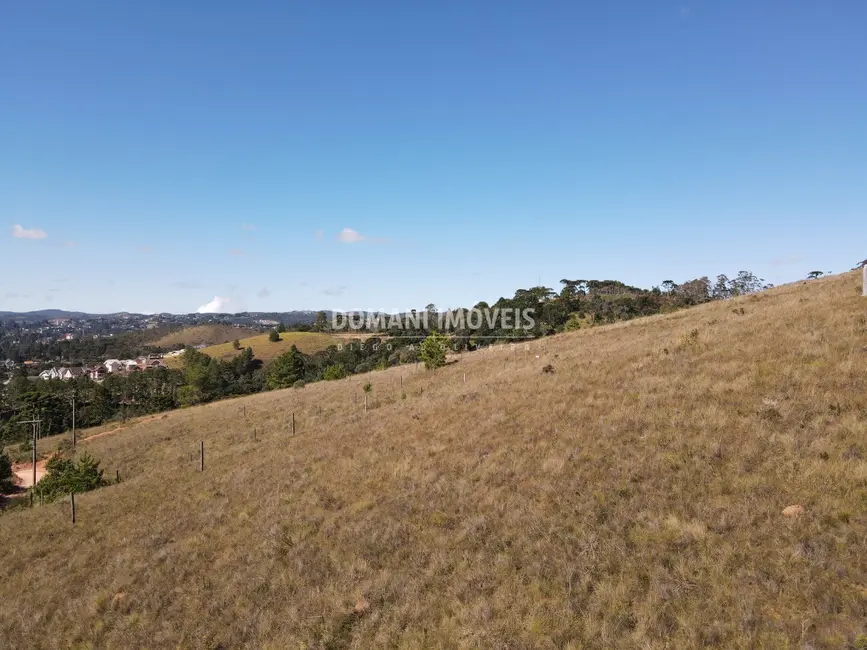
(631, 498)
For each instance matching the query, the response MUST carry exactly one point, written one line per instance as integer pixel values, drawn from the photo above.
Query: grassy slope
(632, 499)
(207, 334)
(307, 342)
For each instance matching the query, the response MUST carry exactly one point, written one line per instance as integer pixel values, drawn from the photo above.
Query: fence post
(72, 499)
(293, 423)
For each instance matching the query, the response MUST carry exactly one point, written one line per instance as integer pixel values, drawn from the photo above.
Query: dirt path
(24, 473)
(117, 430)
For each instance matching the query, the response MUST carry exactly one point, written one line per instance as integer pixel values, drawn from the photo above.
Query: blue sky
(388, 154)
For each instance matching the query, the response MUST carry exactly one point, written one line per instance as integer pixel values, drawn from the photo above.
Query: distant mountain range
(289, 317)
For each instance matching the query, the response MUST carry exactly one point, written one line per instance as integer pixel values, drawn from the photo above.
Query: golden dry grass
(201, 335)
(631, 499)
(307, 342)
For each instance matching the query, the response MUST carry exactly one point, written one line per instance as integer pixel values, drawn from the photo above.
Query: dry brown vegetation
(629, 497)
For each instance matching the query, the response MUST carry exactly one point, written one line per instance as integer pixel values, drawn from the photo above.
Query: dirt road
(24, 473)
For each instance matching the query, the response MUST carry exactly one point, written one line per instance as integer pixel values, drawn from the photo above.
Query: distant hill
(42, 314)
(307, 342)
(244, 318)
(201, 335)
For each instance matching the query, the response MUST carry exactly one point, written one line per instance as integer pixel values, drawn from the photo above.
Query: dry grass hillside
(201, 335)
(307, 342)
(632, 498)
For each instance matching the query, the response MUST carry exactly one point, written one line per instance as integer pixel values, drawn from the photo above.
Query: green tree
(321, 323)
(286, 369)
(236, 344)
(5, 471)
(433, 350)
(334, 371)
(274, 336)
(281, 328)
(65, 476)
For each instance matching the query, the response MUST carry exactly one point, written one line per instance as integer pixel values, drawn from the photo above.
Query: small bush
(433, 350)
(334, 372)
(299, 384)
(236, 344)
(367, 387)
(548, 370)
(274, 336)
(65, 476)
(688, 340)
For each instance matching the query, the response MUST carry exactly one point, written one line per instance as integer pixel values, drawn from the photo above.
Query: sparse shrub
(333, 372)
(274, 336)
(236, 344)
(367, 387)
(548, 370)
(433, 350)
(574, 323)
(688, 340)
(65, 476)
(860, 642)
(299, 384)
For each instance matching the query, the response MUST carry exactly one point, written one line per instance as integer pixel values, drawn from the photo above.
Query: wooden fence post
(293, 423)
(72, 499)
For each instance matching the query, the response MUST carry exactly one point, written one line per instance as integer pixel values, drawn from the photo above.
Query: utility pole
(34, 425)
(73, 420)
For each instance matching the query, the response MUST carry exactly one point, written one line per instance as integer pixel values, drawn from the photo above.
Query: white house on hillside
(64, 374)
(113, 365)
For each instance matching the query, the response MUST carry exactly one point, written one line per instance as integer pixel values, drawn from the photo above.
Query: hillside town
(100, 371)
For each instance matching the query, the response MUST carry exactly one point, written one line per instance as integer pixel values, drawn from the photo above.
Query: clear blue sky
(171, 152)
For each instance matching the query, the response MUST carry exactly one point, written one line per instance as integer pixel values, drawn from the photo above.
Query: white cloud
(785, 261)
(20, 232)
(334, 291)
(350, 236)
(216, 306)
